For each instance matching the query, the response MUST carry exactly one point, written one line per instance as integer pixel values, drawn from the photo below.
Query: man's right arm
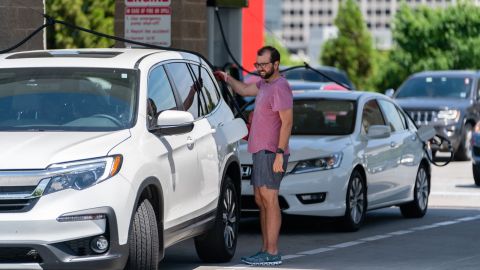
(239, 87)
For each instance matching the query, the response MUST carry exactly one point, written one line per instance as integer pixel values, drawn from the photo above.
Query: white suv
(111, 155)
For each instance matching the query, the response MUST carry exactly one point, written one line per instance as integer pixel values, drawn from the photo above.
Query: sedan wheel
(356, 203)
(418, 207)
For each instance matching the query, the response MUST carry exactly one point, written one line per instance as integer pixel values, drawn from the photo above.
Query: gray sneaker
(243, 259)
(263, 259)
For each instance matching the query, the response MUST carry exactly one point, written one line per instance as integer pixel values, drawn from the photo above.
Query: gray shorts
(262, 171)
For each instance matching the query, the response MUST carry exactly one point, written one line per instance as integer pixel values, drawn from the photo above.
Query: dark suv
(447, 100)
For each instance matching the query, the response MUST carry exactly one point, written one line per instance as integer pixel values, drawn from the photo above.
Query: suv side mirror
(378, 132)
(389, 92)
(171, 122)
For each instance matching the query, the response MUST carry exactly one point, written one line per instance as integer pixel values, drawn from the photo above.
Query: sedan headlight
(318, 164)
(449, 114)
(82, 174)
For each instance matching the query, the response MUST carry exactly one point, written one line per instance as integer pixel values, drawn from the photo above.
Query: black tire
(418, 207)
(143, 239)
(464, 151)
(356, 203)
(476, 174)
(219, 243)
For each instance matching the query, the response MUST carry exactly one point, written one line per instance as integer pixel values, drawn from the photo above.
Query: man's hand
(278, 164)
(220, 75)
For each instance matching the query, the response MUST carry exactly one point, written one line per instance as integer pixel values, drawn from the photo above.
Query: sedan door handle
(393, 145)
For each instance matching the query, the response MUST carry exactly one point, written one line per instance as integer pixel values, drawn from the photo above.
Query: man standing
(268, 143)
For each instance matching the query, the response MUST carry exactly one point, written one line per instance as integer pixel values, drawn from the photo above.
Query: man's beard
(267, 75)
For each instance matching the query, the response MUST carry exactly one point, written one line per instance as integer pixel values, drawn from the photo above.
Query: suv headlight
(449, 114)
(82, 174)
(319, 164)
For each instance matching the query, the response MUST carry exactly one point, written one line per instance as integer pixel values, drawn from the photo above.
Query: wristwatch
(280, 151)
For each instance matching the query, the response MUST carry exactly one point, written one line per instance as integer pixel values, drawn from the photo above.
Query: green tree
(432, 39)
(352, 49)
(91, 14)
(285, 56)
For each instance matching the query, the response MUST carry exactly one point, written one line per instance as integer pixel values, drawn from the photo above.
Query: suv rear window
(67, 99)
(436, 87)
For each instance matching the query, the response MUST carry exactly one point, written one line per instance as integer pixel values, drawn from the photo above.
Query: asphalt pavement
(446, 238)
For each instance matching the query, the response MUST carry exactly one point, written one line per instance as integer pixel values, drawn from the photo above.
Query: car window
(209, 94)
(160, 93)
(436, 87)
(323, 117)
(67, 99)
(371, 115)
(394, 120)
(181, 77)
(410, 124)
(403, 117)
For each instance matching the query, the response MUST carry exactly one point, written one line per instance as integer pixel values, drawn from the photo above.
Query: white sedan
(350, 152)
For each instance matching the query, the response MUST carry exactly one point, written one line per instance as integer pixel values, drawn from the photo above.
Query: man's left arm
(286, 117)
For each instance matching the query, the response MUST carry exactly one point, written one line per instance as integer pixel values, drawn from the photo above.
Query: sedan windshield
(67, 99)
(323, 117)
(436, 87)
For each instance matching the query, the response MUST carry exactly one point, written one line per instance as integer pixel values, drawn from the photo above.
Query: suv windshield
(323, 117)
(67, 99)
(436, 87)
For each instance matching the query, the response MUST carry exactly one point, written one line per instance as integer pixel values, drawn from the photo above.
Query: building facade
(192, 26)
(18, 20)
(301, 18)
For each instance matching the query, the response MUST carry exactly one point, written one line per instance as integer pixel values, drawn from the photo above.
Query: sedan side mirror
(378, 132)
(172, 122)
(389, 92)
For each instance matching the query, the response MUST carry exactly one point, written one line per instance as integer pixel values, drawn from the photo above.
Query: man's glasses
(261, 65)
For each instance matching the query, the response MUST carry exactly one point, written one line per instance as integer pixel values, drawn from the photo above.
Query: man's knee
(258, 199)
(268, 197)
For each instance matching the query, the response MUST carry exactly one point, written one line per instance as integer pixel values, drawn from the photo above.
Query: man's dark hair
(274, 54)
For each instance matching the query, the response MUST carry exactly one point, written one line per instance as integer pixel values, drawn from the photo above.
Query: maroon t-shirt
(265, 130)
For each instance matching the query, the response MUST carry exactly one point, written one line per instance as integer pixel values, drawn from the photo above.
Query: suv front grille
(16, 204)
(423, 117)
(19, 255)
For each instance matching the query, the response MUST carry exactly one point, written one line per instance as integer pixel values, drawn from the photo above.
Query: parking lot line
(365, 240)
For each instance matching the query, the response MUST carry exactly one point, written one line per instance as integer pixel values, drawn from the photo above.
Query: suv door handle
(190, 143)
